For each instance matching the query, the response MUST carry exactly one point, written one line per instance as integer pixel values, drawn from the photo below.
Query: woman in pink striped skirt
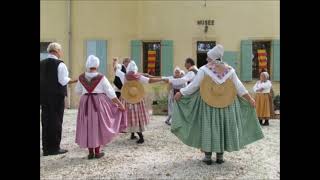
(101, 116)
(137, 114)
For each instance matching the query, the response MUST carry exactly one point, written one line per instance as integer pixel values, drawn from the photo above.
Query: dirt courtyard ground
(162, 156)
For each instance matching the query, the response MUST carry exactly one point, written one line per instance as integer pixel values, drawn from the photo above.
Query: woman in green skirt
(215, 112)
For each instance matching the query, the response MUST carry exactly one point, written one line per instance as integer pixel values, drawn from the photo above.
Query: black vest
(117, 81)
(49, 84)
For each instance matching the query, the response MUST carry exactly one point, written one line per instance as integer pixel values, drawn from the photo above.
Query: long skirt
(211, 129)
(170, 102)
(99, 121)
(271, 96)
(263, 105)
(137, 115)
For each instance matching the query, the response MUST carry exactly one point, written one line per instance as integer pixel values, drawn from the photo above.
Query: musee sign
(205, 22)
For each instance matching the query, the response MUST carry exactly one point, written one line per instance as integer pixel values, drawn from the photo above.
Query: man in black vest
(53, 89)
(187, 78)
(117, 79)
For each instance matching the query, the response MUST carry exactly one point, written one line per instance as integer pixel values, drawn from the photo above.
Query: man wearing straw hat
(215, 112)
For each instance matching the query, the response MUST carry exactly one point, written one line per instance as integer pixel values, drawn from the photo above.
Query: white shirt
(116, 89)
(195, 84)
(186, 78)
(121, 75)
(265, 85)
(173, 85)
(63, 73)
(104, 86)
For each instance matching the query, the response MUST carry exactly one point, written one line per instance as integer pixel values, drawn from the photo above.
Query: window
(43, 50)
(152, 58)
(261, 57)
(252, 62)
(205, 46)
(202, 48)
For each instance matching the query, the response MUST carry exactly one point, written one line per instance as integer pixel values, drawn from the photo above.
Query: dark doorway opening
(202, 48)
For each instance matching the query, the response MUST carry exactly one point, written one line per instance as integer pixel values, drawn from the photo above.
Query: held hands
(260, 90)
(121, 107)
(177, 96)
(165, 80)
(146, 75)
(252, 102)
(73, 81)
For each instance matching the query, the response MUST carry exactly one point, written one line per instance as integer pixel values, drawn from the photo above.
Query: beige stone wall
(119, 22)
(54, 24)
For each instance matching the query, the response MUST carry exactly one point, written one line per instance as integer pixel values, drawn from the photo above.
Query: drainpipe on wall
(69, 51)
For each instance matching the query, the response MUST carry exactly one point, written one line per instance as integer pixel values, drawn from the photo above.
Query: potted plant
(160, 107)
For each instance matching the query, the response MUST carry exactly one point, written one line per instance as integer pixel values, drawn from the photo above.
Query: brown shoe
(91, 156)
(99, 155)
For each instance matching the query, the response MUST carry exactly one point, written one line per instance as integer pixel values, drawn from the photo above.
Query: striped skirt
(137, 116)
(263, 105)
(98, 121)
(170, 102)
(215, 129)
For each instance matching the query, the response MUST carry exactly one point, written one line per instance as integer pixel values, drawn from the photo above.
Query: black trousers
(51, 120)
(118, 94)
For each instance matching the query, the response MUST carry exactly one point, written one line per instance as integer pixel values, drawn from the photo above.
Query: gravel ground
(162, 156)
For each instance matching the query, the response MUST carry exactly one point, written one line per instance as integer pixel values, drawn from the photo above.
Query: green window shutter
(230, 57)
(166, 58)
(136, 48)
(99, 49)
(275, 44)
(246, 60)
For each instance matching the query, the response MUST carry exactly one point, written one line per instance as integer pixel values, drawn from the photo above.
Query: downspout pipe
(69, 50)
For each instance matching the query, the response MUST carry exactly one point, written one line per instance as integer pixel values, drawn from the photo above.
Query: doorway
(202, 48)
(152, 58)
(262, 57)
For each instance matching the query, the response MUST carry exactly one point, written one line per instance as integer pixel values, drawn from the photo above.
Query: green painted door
(166, 58)
(246, 60)
(136, 49)
(99, 49)
(275, 45)
(231, 58)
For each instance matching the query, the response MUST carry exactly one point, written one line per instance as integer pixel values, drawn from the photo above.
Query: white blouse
(186, 78)
(104, 86)
(179, 86)
(121, 75)
(195, 84)
(63, 73)
(265, 85)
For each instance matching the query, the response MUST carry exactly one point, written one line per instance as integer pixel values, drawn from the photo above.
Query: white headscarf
(266, 74)
(182, 72)
(216, 52)
(132, 67)
(176, 69)
(92, 61)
